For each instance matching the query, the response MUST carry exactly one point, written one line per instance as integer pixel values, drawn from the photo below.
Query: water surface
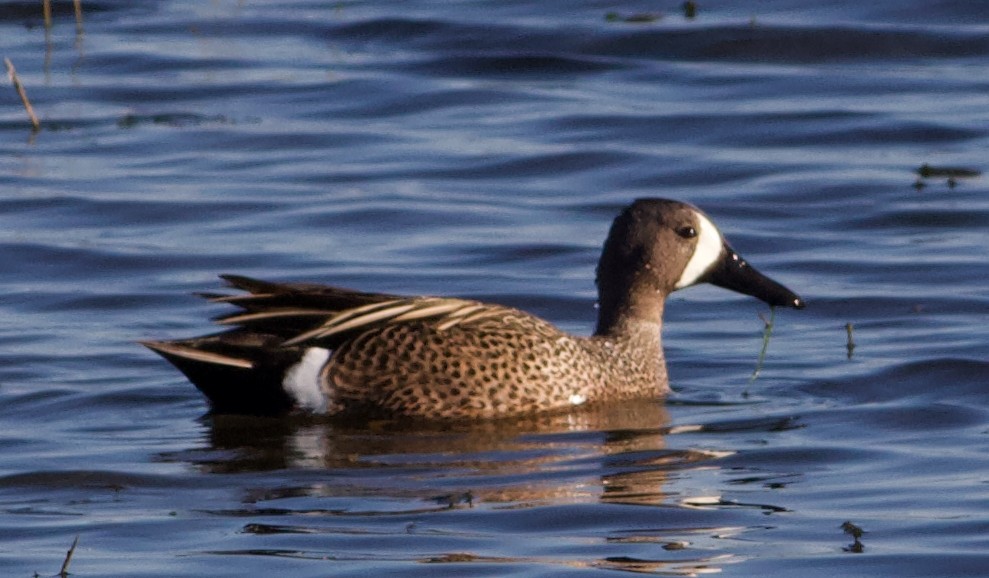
(480, 149)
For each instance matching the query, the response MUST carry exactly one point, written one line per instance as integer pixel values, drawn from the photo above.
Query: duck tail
(229, 370)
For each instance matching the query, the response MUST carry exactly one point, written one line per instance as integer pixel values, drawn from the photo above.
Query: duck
(320, 349)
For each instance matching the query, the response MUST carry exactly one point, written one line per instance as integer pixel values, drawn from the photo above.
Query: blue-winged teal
(348, 353)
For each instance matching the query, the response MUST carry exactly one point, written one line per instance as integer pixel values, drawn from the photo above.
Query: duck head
(657, 246)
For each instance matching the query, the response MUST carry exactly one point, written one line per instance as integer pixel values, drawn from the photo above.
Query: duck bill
(733, 272)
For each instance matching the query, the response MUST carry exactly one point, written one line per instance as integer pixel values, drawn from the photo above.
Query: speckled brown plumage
(448, 358)
(505, 364)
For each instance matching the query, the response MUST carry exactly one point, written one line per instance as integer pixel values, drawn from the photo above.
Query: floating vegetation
(930, 171)
(460, 558)
(951, 174)
(638, 18)
(689, 9)
(856, 547)
(181, 119)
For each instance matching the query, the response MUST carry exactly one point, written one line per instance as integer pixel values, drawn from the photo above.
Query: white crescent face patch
(706, 252)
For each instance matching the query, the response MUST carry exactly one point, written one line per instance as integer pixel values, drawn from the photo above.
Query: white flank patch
(302, 380)
(706, 253)
(577, 399)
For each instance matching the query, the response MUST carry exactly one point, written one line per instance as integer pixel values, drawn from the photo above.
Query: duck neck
(631, 328)
(628, 309)
(630, 317)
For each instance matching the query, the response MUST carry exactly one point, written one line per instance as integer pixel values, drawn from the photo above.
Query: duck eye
(687, 232)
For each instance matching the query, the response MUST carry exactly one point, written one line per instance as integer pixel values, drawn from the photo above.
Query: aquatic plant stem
(766, 333)
(12, 73)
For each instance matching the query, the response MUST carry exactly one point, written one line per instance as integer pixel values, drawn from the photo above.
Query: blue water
(481, 148)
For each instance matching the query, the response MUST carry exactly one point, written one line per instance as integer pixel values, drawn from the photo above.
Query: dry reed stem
(20, 91)
(64, 572)
(850, 345)
(77, 4)
(46, 8)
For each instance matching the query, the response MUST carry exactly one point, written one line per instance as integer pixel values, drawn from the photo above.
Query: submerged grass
(767, 332)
